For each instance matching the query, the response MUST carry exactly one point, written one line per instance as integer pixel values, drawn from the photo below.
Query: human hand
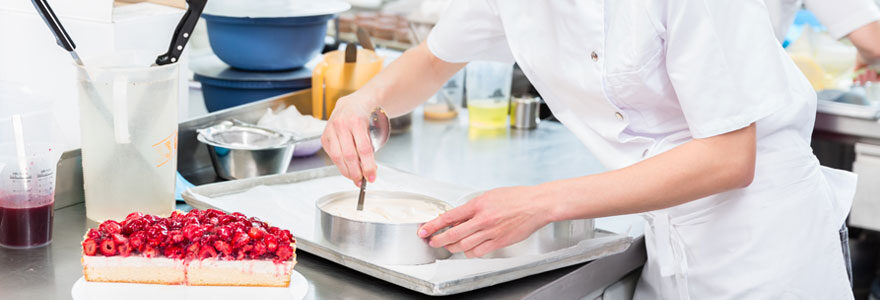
(347, 140)
(865, 73)
(493, 220)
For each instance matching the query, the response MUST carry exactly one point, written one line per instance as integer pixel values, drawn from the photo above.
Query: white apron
(634, 78)
(773, 240)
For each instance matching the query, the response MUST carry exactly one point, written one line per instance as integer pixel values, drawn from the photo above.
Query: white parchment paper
(292, 206)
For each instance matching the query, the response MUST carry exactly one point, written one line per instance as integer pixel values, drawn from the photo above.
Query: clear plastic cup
(28, 160)
(128, 118)
(446, 103)
(488, 93)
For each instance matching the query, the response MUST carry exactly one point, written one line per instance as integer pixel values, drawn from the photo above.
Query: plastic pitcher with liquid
(333, 78)
(28, 160)
(487, 85)
(128, 117)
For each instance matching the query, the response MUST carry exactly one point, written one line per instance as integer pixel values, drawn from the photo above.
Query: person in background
(858, 20)
(699, 115)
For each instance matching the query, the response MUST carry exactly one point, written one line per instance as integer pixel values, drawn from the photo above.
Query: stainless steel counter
(856, 128)
(445, 151)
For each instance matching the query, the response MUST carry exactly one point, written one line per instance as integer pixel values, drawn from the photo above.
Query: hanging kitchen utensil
(364, 39)
(183, 32)
(63, 39)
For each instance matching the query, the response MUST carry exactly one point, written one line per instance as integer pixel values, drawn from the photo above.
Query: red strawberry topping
(271, 243)
(207, 252)
(110, 227)
(256, 233)
(124, 249)
(192, 252)
(223, 247)
(151, 252)
(108, 248)
(119, 239)
(240, 240)
(283, 253)
(90, 247)
(197, 234)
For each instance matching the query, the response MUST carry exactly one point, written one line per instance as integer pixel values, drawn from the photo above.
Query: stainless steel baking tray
(606, 243)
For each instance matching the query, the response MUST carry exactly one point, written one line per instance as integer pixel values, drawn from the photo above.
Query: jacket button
(618, 115)
(594, 56)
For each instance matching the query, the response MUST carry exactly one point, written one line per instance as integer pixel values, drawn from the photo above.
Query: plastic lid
(274, 8)
(211, 70)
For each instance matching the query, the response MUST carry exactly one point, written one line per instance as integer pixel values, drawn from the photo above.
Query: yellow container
(333, 78)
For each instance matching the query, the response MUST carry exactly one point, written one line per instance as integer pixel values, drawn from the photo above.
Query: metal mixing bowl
(243, 151)
(381, 243)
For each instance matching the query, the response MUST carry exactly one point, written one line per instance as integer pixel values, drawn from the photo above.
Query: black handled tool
(61, 37)
(183, 31)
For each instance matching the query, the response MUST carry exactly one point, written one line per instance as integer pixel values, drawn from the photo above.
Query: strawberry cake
(201, 247)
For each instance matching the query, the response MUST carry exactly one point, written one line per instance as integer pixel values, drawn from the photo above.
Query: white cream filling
(385, 210)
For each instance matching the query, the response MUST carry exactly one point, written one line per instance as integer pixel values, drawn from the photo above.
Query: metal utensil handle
(364, 39)
(61, 37)
(360, 205)
(182, 32)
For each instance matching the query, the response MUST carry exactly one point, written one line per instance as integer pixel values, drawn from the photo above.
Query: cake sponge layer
(161, 270)
(239, 273)
(134, 269)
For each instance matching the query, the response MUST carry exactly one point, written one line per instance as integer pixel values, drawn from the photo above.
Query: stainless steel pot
(552, 237)
(524, 112)
(240, 151)
(381, 243)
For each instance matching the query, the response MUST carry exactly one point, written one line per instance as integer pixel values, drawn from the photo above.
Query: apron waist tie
(670, 251)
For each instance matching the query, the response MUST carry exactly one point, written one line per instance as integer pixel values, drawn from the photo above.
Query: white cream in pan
(385, 210)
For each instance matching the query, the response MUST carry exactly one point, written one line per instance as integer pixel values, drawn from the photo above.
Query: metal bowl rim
(288, 143)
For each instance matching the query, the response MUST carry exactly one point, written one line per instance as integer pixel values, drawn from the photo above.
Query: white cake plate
(85, 290)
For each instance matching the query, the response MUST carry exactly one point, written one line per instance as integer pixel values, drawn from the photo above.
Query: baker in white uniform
(700, 116)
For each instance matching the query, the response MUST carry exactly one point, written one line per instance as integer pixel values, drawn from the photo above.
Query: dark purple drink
(26, 227)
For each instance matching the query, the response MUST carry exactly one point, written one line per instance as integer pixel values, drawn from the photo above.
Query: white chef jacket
(635, 78)
(841, 17)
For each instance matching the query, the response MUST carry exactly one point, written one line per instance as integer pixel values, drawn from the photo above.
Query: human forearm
(688, 172)
(867, 41)
(409, 80)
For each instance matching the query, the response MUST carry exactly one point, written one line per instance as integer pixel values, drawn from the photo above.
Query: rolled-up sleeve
(842, 17)
(469, 30)
(724, 62)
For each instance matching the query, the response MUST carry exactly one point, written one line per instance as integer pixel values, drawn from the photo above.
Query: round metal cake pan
(380, 243)
(551, 237)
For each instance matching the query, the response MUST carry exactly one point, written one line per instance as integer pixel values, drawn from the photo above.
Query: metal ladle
(380, 130)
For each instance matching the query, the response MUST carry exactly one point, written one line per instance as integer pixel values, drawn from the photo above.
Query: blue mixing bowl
(267, 44)
(224, 87)
(221, 94)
